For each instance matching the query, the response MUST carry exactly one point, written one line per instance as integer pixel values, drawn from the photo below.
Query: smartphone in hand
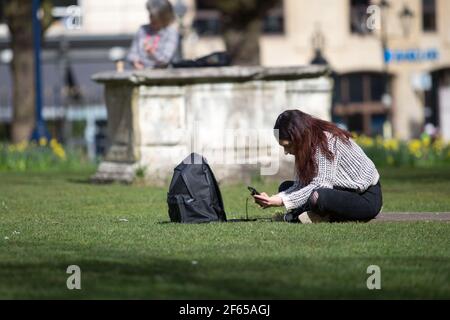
(253, 191)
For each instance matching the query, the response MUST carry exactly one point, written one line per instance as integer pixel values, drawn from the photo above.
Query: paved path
(413, 216)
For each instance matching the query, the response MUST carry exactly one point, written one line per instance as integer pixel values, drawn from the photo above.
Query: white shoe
(308, 217)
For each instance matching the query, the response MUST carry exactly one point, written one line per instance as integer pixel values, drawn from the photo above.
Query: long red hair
(307, 134)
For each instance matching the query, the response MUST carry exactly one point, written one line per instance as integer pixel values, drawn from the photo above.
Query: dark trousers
(342, 204)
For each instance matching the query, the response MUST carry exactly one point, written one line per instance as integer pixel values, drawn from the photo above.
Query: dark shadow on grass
(80, 181)
(234, 220)
(95, 182)
(228, 278)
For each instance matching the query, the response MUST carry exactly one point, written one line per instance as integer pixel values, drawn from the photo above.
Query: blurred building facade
(391, 63)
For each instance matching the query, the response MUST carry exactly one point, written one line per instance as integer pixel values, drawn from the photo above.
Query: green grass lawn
(56, 220)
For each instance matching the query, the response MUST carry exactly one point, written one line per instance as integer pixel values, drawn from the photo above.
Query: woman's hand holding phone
(265, 201)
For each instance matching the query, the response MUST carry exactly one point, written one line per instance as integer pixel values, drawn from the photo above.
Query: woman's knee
(317, 199)
(314, 198)
(285, 185)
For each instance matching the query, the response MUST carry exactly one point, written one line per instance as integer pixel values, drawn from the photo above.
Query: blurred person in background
(156, 43)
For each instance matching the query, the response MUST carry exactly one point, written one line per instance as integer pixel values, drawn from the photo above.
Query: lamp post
(384, 6)
(180, 10)
(386, 99)
(40, 130)
(406, 16)
(318, 43)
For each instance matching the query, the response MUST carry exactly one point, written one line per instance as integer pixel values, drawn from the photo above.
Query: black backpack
(194, 196)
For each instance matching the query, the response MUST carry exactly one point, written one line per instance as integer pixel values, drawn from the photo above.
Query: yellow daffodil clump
(425, 151)
(41, 155)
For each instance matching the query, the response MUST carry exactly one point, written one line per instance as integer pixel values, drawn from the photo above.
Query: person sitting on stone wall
(156, 43)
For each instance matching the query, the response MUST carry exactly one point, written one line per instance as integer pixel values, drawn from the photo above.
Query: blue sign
(411, 55)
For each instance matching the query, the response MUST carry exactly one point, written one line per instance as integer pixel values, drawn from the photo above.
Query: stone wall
(157, 117)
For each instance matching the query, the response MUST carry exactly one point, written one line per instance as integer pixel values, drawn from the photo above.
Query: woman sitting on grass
(336, 181)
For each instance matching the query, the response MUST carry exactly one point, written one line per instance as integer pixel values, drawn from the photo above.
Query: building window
(2, 11)
(359, 16)
(274, 21)
(429, 15)
(357, 102)
(361, 87)
(64, 3)
(208, 20)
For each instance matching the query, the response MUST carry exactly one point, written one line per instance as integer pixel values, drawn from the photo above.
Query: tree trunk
(242, 25)
(243, 45)
(19, 17)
